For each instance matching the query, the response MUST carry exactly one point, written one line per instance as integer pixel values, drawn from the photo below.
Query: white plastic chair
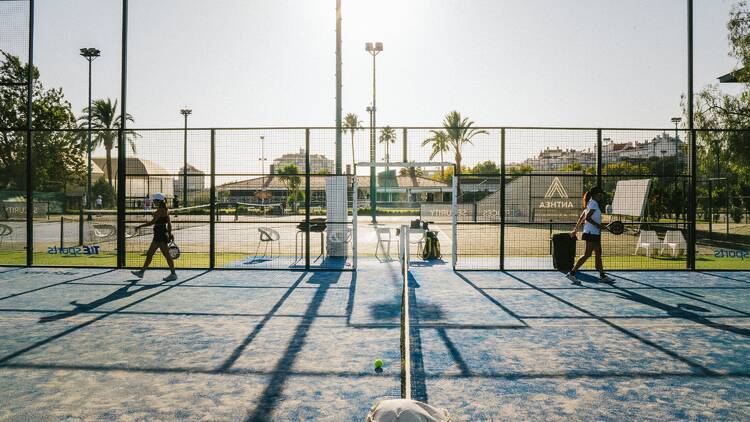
(675, 241)
(5, 231)
(420, 236)
(385, 236)
(648, 239)
(267, 237)
(341, 236)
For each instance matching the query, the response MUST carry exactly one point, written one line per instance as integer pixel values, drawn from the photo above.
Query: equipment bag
(563, 251)
(431, 248)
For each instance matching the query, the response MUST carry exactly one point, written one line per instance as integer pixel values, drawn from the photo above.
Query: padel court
(97, 344)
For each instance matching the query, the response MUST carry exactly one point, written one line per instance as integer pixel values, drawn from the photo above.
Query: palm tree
(440, 144)
(352, 124)
(106, 121)
(459, 132)
(387, 137)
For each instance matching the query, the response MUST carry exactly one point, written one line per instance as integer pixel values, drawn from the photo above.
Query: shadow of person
(81, 308)
(682, 310)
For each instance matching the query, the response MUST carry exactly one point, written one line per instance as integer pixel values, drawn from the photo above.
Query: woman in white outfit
(591, 219)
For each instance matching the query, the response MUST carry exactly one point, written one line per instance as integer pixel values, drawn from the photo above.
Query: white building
(556, 158)
(318, 163)
(142, 177)
(196, 180)
(662, 146)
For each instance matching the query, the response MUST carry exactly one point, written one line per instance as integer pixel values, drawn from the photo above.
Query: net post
(454, 221)
(62, 231)
(307, 198)
(502, 199)
(355, 188)
(212, 204)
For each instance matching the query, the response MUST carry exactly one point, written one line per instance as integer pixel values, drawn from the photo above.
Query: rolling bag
(563, 252)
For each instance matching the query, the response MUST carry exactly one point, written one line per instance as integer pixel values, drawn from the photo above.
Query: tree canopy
(57, 157)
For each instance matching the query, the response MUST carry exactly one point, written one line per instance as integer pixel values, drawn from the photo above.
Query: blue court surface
(84, 344)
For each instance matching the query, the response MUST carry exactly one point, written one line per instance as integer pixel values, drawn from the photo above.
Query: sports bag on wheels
(563, 251)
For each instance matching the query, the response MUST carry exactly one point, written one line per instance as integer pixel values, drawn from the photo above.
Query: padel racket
(173, 250)
(615, 227)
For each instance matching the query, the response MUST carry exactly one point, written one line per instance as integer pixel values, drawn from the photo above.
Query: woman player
(591, 218)
(162, 237)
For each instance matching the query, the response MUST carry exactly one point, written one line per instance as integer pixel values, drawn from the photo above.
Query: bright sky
(617, 63)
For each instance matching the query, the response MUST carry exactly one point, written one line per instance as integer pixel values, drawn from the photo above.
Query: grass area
(109, 259)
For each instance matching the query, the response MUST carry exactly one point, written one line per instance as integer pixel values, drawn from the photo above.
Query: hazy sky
(617, 63)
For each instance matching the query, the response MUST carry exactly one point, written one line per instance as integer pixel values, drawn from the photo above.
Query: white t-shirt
(597, 216)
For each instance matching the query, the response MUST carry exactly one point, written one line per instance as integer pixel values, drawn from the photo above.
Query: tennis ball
(378, 363)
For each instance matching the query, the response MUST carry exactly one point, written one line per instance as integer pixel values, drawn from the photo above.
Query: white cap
(159, 196)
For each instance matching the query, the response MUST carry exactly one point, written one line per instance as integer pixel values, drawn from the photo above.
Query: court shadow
(81, 308)
(428, 263)
(386, 310)
(590, 278)
(682, 310)
(284, 368)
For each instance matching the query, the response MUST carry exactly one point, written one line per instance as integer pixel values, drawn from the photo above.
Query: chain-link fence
(273, 198)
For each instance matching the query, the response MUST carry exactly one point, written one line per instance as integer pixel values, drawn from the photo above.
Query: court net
(101, 225)
(403, 254)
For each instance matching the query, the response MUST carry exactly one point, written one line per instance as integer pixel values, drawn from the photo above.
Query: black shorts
(590, 237)
(161, 237)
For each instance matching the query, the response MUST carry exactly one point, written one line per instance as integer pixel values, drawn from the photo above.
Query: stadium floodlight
(373, 49)
(185, 112)
(90, 54)
(676, 121)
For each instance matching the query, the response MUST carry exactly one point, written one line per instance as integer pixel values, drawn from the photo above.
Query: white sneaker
(138, 273)
(572, 277)
(171, 277)
(606, 279)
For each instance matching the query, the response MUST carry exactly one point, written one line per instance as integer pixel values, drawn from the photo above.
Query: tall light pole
(185, 112)
(90, 54)
(263, 167)
(676, 121)
(373, 49)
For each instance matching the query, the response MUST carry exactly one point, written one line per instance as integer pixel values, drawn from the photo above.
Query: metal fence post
(307, 198)
(29, 140)
(502, 199)
(121, 162)
(692, 197)
(599, 158)
(212, 205)
(355, 188)
(405, 148)
(454, 225)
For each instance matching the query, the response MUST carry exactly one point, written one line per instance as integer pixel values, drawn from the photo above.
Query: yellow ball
(378, 363)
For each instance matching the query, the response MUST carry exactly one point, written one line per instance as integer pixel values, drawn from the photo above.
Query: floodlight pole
(373, 49)
(262, 160)
(90, 54)
(185, 112)
(676, 121)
